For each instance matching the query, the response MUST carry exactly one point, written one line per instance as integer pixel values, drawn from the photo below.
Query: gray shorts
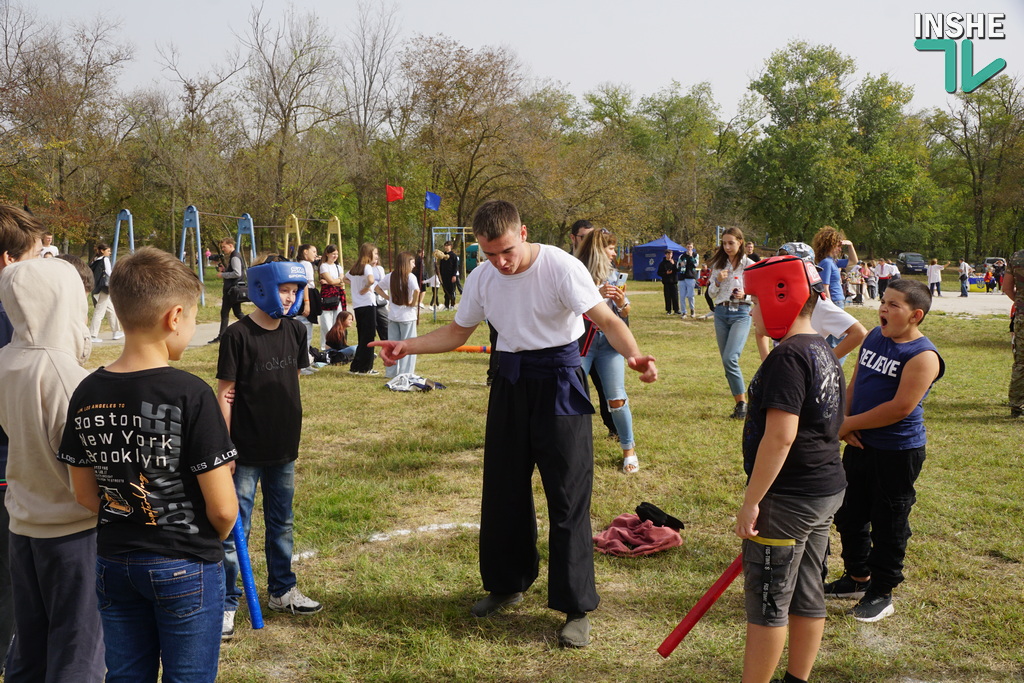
(782, 570)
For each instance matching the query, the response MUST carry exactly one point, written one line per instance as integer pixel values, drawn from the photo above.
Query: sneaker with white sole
(118, 335)
(847, 587)
(294, 602)
(873, 607)
(227, 629)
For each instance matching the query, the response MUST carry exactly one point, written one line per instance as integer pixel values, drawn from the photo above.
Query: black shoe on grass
(873, 607)
(846, 587)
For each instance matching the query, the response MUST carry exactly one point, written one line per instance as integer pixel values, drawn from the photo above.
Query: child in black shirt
(147, 446)
(796, 480)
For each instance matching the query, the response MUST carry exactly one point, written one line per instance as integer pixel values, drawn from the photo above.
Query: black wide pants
(522, 433)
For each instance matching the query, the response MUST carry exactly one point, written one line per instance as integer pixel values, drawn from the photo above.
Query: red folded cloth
(629, 536)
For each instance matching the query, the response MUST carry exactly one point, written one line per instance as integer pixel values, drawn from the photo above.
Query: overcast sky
(583, 43)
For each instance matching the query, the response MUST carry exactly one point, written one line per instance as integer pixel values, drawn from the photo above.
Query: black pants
(523, 433)
(671, 290)
(366, 328)
(492, 363)
(381, 322)
(449, 292)
(59, 634)
(883, 282)
(228, 305)
(606, 415)
(874, 521)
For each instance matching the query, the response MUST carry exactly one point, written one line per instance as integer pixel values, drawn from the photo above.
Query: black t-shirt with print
(266, 416)
(800, 376)
(148, 435)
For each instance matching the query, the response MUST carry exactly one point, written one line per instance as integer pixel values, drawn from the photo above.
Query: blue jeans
(611, 368)
(278, 485)
(399, 331)
(963, 286)
(731, 330)
(686, 295)
(158, 609)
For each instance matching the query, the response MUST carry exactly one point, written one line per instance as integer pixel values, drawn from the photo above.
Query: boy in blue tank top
(885, 450)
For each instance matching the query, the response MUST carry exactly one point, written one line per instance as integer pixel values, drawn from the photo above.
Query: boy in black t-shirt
(795, 476)
(147, 446)
(260, 359)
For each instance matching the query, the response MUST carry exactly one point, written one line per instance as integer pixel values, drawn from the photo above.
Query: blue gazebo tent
(646, 257)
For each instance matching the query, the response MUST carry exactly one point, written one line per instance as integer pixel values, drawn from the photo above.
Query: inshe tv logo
(940, 32)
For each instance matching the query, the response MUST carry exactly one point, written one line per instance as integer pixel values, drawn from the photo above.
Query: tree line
(299, 119)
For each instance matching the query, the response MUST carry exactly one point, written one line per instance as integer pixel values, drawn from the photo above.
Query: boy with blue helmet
(261, 356)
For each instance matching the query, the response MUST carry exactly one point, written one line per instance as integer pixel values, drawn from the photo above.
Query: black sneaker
(846, 587)
(740, 411)
(873, 607)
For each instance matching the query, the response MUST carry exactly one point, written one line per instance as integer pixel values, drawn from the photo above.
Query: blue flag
(432, 202)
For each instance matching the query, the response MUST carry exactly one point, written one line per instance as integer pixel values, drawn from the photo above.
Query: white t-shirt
(893, 270)
(934, 274)
(828, 319)
(398, 313)
(307, 267)
(539, 308)
(332, 269)
(881, 270)
(358, 285)
(51, 249)
(965, 269)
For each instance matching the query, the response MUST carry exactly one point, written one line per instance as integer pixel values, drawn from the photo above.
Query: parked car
(911, 262)
(989, 261)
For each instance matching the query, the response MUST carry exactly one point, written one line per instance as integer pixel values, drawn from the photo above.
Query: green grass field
(374, 462)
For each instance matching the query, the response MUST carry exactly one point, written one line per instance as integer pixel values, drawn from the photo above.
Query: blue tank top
(879, 370)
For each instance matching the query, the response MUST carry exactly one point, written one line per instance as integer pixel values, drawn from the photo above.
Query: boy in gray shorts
(796, 480)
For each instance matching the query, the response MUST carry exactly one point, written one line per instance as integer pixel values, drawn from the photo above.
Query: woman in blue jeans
(597, 251)
(732, 312)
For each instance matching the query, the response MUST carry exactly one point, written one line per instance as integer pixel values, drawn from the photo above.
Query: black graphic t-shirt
(148, 435)
(266, 417)
(800, 376)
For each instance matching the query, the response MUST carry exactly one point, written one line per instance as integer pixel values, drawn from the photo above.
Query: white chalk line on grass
(422, 529)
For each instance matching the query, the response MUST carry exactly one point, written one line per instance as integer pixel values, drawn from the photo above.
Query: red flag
(395, 193)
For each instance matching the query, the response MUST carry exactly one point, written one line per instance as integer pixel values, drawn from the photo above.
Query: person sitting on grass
(795, 477)
(163, 509)
(260, 359)
(885, 450)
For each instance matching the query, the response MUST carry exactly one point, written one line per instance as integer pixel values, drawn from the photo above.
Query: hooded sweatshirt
(39, 370)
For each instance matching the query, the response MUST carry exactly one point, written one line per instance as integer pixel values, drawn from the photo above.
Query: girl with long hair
(331, 287)
(828, 246)
(596, 251)
(306, 254)
(732, 312)
(101, 295)
(364, 306)
(403, 311)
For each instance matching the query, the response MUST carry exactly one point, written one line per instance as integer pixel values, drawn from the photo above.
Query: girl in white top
(104, 306)
(364, 307)
(732, 312)
(330, 274)
(306, 254)
(403, 310)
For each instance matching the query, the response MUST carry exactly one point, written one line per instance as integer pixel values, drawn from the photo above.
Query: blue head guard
(266, 278)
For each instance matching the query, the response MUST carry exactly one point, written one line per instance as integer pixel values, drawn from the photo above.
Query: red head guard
(782, 285)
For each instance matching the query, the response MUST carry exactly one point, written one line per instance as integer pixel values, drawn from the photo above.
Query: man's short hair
(581, 224)
(495, 218)
(227, 240)
(916, 294)
(447, 244)
(19, 231)
(144, 285)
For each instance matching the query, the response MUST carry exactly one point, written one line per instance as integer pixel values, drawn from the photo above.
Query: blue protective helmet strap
(264, 281)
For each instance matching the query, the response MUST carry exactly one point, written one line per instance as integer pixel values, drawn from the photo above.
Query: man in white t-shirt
(965, 276)
(538, 414)
(48, 246)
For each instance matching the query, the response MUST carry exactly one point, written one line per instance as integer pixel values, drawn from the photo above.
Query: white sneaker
(227, 629)
(295, 602)
(96, 340)
(118, 335)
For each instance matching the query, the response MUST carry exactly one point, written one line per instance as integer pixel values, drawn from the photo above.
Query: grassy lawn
(374, 462)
